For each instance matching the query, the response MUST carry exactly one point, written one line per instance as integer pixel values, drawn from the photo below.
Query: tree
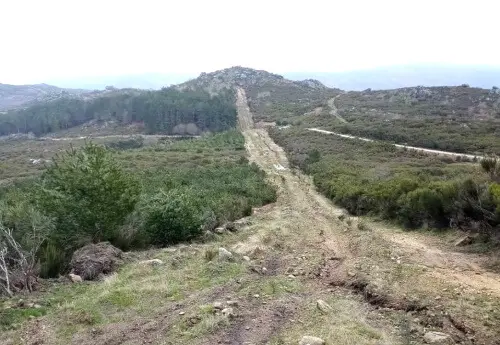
(88, 195)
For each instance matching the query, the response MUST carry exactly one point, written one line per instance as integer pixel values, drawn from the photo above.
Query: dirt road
(413, 148)
(402, 265)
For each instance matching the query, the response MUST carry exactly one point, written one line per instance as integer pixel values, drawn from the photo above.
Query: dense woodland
(168, 111)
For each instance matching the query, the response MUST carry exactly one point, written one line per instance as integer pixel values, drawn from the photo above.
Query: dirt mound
(92, 260)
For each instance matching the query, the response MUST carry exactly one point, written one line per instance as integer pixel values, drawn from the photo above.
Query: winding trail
(334, 112)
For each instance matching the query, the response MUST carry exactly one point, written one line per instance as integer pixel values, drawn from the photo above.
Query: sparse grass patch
(11, 318)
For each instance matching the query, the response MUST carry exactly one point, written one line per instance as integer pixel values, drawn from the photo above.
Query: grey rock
(324, 307)
(308, 340)
(438, 338)
(225, 254)
(228, 312)
(152, 262)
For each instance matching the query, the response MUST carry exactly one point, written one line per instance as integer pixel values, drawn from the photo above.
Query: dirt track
(431, 268)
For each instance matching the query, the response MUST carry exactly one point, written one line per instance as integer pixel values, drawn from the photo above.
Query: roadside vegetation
(154, 195)
(412, 188)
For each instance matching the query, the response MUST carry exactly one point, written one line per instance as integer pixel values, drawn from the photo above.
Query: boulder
(93, 260)
(438, 338)
(308, 340)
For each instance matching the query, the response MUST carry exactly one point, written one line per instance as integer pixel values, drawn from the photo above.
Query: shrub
(88, 195)
(171, 217)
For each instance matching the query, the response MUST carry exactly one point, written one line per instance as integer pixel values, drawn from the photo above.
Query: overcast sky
(51, 39)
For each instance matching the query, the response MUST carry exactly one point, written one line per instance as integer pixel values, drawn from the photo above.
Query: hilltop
(18, 96)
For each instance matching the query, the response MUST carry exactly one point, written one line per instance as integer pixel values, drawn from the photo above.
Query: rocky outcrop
(243, 77)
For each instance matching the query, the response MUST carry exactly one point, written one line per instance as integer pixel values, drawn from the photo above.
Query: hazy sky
(51, 39)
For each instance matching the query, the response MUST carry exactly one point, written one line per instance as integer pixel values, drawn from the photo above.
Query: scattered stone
(220, 230)
(182, 312)
(228, 312)
(37, 306)
(351, 274)
(232, 303)
(256, 295)
(291, 276)
(93, 260)
(264, 270)
(246, 258)
(225, 254)
(324, 307)
(152, 262)
(437, 338)
(75, 278)
(308, 340)
(217, 305)
(247, 328)
(30, 305)
(464, 241)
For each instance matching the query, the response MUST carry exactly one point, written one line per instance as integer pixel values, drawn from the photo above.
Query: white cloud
(49, 39)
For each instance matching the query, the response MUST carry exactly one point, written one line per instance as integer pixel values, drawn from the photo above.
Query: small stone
(217, 305)
(225, 254)
(219, 230)
(256, 295)
(464, 241)
(324, 307)
(30, 305)
(351, 274)
(291, 276)
(75, 278)
(246, 258)
(228, 312)
(232, 303)
(437, 338)
(37, 306)
(264, 270)
(437, 298)
(182, 312)
(152, 262)
(247, 328)
(308, 340)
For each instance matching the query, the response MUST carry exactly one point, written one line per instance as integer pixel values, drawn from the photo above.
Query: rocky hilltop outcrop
(244, 77)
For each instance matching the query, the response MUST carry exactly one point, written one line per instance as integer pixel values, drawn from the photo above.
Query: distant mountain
(18, 96)
(153, 81)
(406, 76)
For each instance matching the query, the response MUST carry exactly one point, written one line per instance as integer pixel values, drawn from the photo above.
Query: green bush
(171, 217)
(88, 195)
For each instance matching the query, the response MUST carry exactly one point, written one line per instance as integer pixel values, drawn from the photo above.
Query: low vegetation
(414, 189)
(156, 195)
(459, 119)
